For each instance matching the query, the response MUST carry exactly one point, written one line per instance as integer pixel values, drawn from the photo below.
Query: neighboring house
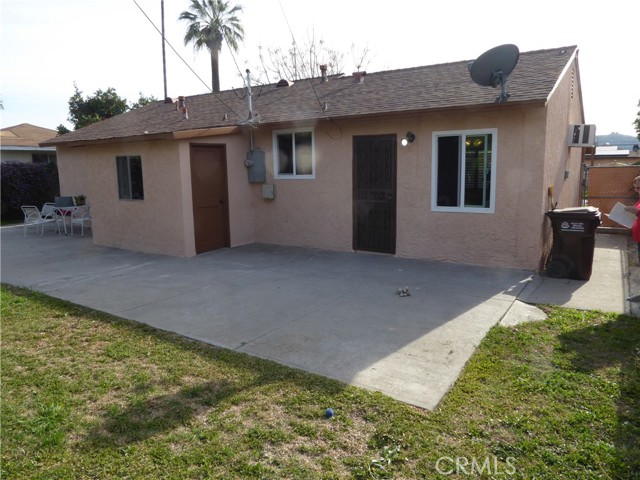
(608, 178)
(611, 155)
(21, 143)
(320, 163)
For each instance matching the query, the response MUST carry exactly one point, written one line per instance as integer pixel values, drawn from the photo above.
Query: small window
(130, 178)
(464, 171)
(293, 154)
(43, 158)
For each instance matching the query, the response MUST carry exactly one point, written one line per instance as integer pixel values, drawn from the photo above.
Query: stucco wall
(562, 166)
(531, 155)
(564, 108)
(150, 225)
(309, 213)
(241, 193)
(318, 212)
(163, 221)
(73, 172)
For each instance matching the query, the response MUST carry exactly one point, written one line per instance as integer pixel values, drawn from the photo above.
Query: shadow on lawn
(154, 415)
(147, 414)
(615, 344)
(158, 414)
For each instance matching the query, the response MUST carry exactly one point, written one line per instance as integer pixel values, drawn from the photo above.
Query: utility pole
(164, 61)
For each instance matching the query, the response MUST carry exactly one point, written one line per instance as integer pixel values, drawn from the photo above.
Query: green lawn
(11, 222)
(89, 396)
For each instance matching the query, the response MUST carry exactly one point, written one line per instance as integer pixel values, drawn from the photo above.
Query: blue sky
(46, 46)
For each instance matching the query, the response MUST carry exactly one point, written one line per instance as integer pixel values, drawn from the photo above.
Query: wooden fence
(603, 186)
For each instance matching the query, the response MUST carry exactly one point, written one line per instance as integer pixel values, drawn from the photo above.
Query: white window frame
(434, 169)
(276, 155)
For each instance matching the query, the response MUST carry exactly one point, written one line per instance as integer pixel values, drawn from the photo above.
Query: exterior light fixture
(408, 139)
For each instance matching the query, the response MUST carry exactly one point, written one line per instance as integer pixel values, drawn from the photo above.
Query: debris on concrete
(403, 292)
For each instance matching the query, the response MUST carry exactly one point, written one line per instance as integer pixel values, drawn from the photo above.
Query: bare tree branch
(303, 61)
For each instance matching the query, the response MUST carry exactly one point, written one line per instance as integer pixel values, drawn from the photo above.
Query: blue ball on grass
(328, 413)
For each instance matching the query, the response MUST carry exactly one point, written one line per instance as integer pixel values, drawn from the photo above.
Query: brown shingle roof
(25, 135)
(415, 89)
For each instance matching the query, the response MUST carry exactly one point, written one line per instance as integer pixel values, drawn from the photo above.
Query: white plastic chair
(81, 216)
(49, 211)
(34, 218)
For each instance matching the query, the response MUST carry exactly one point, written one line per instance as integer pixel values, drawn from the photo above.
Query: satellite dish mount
(500, 79)
(493, 67)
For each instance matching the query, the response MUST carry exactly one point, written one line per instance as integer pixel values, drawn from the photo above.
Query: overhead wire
(295, 46)
(313, 87)
(164, 38)
(235, 61)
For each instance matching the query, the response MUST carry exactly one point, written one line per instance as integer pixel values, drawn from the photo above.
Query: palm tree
(212, 22)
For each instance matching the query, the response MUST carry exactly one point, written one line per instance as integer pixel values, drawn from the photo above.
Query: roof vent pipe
(323, 71)
(181, 103)
(358, 77)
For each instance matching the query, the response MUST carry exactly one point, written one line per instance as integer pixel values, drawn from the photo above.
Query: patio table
(68, 212)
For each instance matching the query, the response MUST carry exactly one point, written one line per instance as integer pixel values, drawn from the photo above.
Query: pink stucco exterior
(532, 156)
(163, 221)
(318, 213)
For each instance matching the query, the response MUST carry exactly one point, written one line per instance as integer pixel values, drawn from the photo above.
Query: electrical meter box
(256, 169)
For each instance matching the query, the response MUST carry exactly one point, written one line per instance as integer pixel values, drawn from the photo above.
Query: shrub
(27, 184)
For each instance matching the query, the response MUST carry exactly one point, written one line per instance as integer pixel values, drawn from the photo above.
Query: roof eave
(177, 135)
(102, 141)
(24, 148)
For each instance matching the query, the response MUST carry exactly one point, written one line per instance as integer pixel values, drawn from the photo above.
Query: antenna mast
(249, 94)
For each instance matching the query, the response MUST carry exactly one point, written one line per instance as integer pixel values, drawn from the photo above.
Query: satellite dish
(492, 68)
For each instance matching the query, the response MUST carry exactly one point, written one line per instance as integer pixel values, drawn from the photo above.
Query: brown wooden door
(209, 190)
(374, 193)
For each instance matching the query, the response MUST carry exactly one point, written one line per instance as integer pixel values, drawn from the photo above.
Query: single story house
(21, 143)
(419, 162)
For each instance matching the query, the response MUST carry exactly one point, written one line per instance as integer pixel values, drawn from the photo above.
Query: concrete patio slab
(606, 290)
(334, 314)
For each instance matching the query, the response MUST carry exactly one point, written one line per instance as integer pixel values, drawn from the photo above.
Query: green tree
(142, 101)
(62, 129)
(104, 104)
(84, 111)
(212, 22)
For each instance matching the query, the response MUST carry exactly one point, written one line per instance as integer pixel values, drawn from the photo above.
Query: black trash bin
(574, 239)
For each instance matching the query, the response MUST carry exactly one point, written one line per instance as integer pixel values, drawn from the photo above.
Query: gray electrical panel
(256, 169)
